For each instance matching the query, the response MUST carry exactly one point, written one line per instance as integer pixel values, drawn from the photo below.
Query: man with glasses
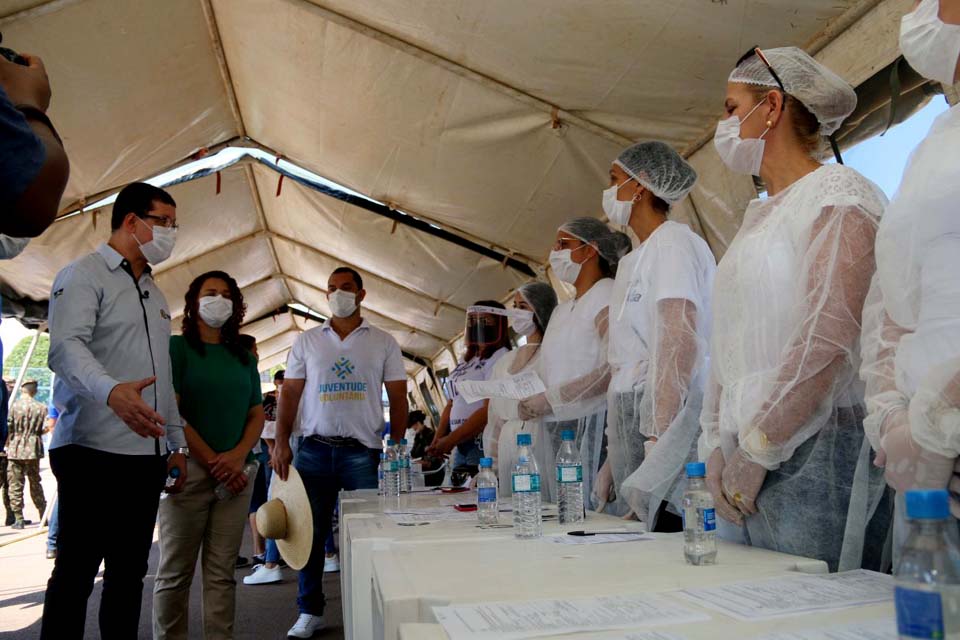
(119, 431)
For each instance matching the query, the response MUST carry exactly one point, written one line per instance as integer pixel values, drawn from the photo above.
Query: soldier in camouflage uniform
(4, 489)
(24, 449)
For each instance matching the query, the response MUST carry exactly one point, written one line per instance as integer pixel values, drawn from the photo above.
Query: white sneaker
(331, 564)
(306, 626)
(262, 575)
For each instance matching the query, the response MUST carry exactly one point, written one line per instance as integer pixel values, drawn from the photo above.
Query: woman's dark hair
(229, 332)
(490, 349)
(416, 416)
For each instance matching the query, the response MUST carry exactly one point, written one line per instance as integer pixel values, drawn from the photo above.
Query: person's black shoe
(10, 519)
(51, 554)
(242, 562)
(258, 559)
(18, 524)
(281, 562)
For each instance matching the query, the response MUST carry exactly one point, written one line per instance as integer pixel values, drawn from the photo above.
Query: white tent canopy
(494, 121)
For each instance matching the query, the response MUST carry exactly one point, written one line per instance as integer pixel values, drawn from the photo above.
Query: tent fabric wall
(496, 121)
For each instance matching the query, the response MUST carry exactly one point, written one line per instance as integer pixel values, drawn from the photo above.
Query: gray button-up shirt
(106, 329)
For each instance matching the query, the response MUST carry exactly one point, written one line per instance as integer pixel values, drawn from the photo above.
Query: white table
(364, 529)
(718, 628)
(410, 579)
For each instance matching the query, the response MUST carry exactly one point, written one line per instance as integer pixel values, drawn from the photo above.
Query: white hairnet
(828, 96)
(656, 166)
(594, 232)
(622, 243)
(542, 298)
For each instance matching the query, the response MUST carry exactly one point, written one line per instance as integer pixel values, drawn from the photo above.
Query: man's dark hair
(137, 198)
(353, 273)
(247, 341)
(278, 375)
(417, 416)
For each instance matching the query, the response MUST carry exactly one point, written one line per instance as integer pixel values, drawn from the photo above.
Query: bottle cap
(927, 504)
(175, 472)
(696, 469)
(568, 435)
(486, 463)
(383, 456)
(391, 443)
(524, 439)
(403, 441)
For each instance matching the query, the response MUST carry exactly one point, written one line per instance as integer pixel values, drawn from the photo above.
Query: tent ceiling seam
(382, 314)
(217, 43)
(555, 112)
(408, 289)
(40, 10)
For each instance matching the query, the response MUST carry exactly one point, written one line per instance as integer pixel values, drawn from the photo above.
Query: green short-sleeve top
(216, 391)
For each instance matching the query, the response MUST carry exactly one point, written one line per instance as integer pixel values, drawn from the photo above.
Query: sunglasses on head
(755, 51)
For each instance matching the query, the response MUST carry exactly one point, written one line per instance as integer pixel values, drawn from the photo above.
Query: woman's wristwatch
(184, 450)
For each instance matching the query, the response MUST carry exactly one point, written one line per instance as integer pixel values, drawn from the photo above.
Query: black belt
(339, 441)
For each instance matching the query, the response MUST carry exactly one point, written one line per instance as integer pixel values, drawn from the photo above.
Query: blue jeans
(326, 471)
(53, 527)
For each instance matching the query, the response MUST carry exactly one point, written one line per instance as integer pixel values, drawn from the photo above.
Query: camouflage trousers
(18, 473)
(4, 488)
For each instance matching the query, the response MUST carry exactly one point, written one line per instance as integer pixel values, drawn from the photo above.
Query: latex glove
(742, 480)
(715, 466)
(910, 466)
(534, 407)
(603, 490)
(897, 419)
(648, 445)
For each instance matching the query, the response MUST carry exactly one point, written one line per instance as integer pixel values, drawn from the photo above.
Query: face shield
(485, 326)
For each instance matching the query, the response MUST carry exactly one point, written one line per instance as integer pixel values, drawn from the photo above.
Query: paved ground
(263, 612)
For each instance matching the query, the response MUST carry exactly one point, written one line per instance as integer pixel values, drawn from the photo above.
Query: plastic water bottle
(404, 460)
(391, 470)
(927, 593)
(171, 480)
(223, 493)
(487, 510)
(380, 468)
(569, 480)
(527, 519)
(699, 518)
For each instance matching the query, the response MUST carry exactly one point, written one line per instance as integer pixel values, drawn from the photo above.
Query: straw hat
(287, 519)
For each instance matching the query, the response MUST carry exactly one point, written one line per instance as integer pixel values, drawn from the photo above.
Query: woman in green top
(218, 390)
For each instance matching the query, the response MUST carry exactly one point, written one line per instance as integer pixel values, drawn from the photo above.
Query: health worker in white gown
(783, 412)
(573, 356)
(533, 304)
(911, 341)
(659, 323)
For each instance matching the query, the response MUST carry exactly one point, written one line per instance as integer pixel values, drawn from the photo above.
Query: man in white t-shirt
(338, 370)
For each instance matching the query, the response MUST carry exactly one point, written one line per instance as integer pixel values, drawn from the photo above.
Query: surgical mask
(564, 266)
(215, 310)
(160, 248)
(617, 210)
(342, 303)
(929, 44)
(521, 320)
(741, 156)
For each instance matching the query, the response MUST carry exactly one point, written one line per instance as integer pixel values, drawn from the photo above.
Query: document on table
(791, 595)
(518, 387)
(604, 538)
(883, 629)
(517, 620)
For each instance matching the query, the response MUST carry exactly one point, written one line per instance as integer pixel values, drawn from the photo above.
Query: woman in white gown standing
(533, 304)
(783, 411)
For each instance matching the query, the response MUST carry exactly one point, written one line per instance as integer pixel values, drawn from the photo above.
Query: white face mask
(617, 210)
(521, 320)
(564, 266)
(929, 44)
(741, 156)
(342, 303)
(215, 310)
(160, 248)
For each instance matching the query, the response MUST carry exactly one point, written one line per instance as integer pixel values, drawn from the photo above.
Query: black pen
(605, 533)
